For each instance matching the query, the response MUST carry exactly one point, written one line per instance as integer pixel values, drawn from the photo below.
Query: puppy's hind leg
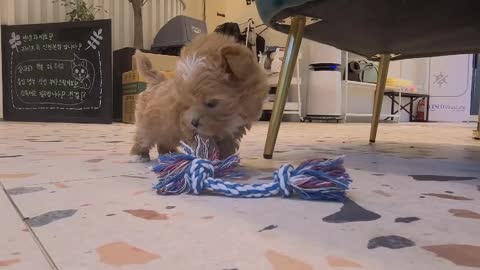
(141, 149)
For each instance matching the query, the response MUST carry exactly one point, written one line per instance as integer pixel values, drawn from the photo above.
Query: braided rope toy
(198, 170)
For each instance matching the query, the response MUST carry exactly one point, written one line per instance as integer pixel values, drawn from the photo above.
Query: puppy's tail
(146, 69)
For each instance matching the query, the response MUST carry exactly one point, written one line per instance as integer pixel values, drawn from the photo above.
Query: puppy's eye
(212, 103)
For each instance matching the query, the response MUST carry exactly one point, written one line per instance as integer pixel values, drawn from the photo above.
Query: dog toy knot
(282, 177)
(200, 170)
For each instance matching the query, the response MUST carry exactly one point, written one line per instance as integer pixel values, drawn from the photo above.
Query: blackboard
(59, 72)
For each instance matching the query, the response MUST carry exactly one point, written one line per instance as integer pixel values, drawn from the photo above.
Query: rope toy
(198, 170)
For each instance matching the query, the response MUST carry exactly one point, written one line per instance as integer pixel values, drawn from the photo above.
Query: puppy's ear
(145, 68)
(238, 60)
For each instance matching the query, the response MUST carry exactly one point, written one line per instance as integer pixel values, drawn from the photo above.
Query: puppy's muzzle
(195, 122)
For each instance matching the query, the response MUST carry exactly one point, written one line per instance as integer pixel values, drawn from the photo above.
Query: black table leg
(428, 108)
(411, 109)
(392, 108)
(410, 105)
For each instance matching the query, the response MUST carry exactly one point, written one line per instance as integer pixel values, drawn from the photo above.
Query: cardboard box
(122, 62)
(159, 61)
(133, 83)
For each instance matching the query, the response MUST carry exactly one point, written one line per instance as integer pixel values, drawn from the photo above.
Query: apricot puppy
(217, 92)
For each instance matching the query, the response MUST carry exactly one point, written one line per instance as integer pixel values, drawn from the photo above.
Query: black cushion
(405, 28)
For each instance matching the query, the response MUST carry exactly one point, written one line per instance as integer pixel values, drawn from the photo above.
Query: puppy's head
(221, 84)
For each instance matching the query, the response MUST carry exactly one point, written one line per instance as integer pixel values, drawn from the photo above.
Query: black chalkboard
(59, 72)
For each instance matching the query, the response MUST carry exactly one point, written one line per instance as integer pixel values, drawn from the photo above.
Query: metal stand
(293, 46)
(379, 91)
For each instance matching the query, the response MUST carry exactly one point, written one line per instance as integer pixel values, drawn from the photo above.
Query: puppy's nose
(195, 122)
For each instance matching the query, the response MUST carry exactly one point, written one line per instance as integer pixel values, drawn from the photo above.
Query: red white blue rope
(196, 171)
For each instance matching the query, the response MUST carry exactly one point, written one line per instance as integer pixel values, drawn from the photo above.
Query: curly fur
(217, 92)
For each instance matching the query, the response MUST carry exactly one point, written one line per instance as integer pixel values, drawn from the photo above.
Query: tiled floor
(414, 203)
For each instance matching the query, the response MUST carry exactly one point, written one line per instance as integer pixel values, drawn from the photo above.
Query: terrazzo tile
(18, 250)
(339, 262)
(87, 193)
(464, 213)
(464, 255)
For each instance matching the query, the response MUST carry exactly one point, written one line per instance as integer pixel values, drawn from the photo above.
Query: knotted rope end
(183, 172)
(315, 179)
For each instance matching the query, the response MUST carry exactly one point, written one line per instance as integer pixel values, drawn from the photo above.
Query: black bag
(233, 29)
(229, 29)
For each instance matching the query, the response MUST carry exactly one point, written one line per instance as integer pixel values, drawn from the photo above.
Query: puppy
(217, 92)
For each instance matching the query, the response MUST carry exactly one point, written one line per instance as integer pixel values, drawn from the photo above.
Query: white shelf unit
(370, 87)
(366, 86)
(291, 107)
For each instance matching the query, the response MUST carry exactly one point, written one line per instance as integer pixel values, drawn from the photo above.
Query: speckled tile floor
(71, 200)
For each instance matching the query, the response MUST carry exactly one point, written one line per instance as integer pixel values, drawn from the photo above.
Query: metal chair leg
(476, 133)
(379, 91)
(290, 59)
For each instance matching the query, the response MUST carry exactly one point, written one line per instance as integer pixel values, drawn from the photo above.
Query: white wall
(194, 9)
(156, 14)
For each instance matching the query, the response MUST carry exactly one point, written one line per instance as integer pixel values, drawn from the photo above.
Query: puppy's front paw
(139, 159)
